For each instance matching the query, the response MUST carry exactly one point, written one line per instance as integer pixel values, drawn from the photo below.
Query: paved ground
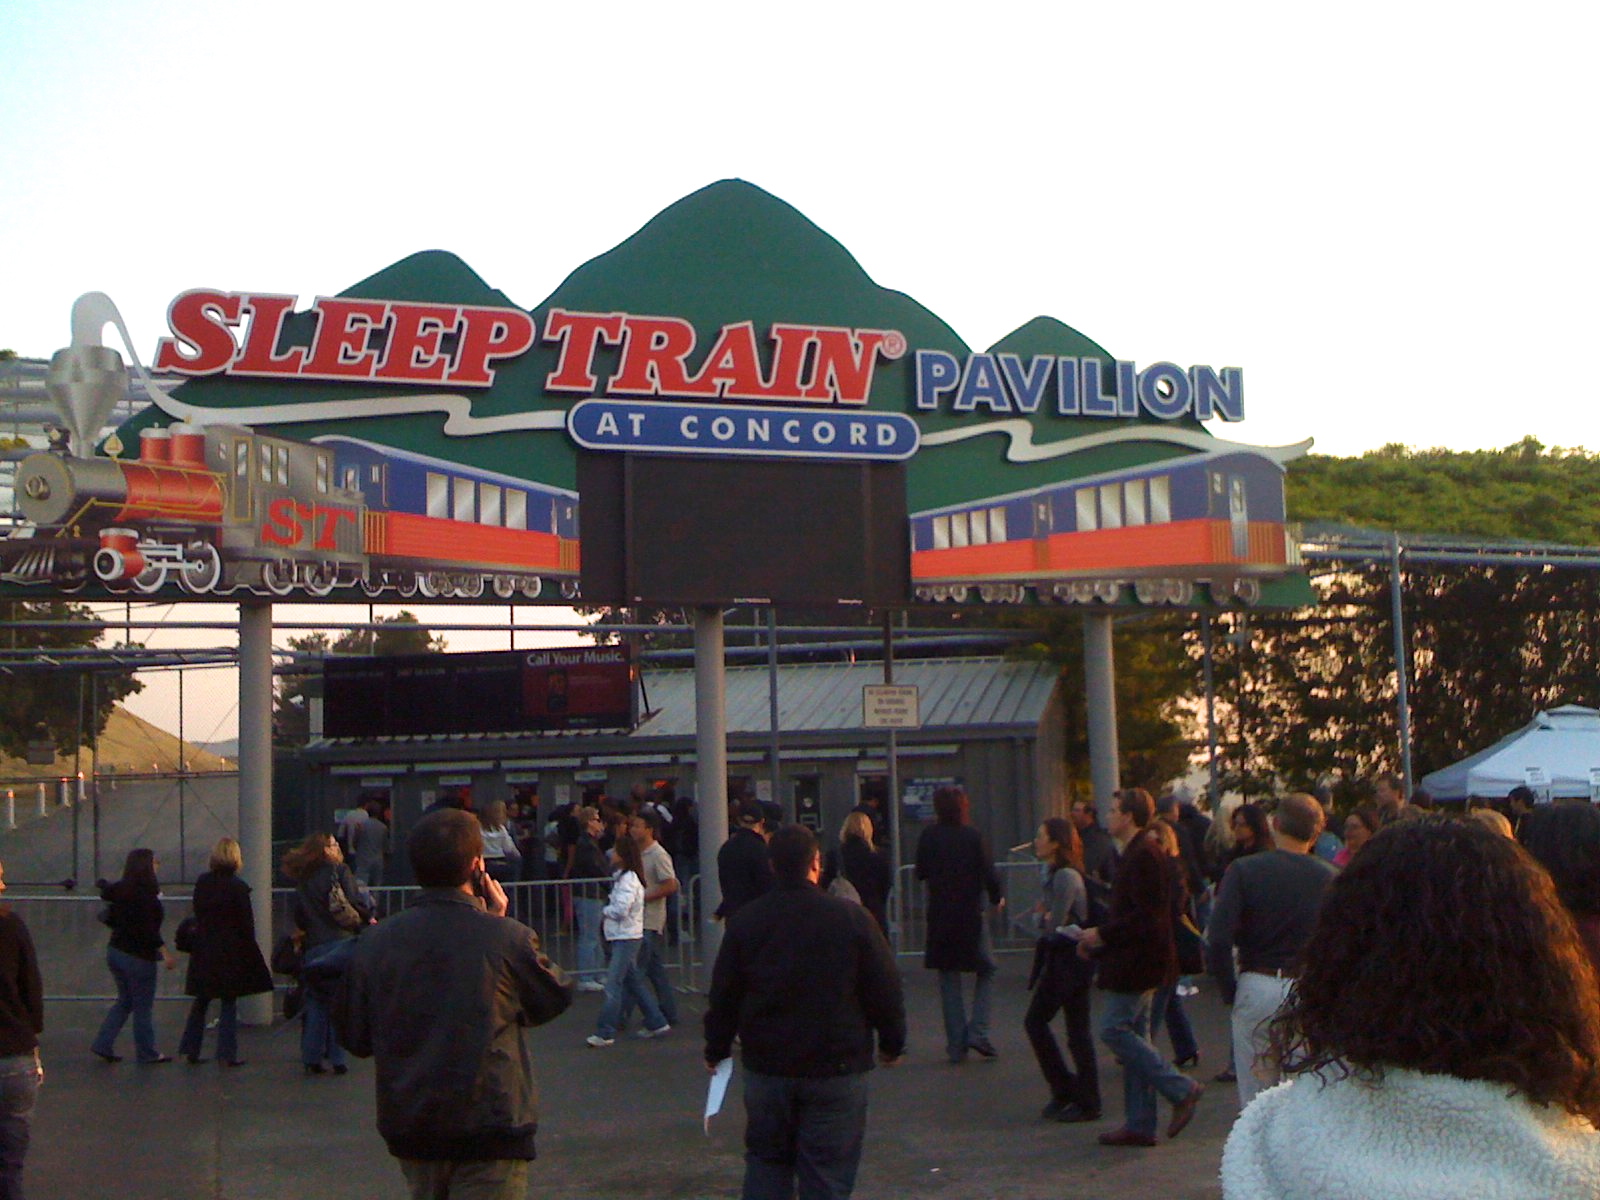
(623, 1122)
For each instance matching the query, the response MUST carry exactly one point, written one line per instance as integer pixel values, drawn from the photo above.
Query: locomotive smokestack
(85, 382)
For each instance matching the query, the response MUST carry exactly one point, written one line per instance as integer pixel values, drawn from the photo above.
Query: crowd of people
(1485, 1081)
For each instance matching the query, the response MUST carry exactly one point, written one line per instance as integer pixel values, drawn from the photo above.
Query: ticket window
(808, 802)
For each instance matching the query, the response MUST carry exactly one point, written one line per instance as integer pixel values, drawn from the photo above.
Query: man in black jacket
(804, 980)
(743, 868)
(439, 995)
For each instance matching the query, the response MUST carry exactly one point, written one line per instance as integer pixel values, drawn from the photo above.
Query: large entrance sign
(723, 408)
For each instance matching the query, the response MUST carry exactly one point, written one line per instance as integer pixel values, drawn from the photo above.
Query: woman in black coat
(226, 963)
(867, 869)
(954, 862)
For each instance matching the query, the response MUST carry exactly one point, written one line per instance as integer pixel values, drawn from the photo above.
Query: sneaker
(647, 1034)
(595, 1041)
(590, 985)
(983, 1048)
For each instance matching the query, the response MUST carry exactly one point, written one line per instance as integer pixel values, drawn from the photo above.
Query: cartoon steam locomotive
(222, 507)
(1161, 527)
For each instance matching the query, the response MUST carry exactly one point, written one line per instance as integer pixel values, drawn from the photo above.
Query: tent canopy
(1564, 741)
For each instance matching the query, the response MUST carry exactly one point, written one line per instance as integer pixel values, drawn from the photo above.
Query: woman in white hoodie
(1443, 1036)
(622, 922)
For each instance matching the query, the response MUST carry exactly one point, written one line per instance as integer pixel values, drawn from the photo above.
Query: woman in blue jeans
(624, 928)
(332, 908)
(135, 916)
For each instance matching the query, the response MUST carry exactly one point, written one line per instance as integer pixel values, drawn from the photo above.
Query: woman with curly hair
(1443, 1037)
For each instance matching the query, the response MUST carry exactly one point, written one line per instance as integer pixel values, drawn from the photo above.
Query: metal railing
(71, 943)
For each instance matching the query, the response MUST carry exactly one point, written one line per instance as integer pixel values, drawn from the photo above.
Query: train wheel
(470, 586)
(407, 584)
(505, 587)
(150, 579)
(277, 576)
(319, 578)
(1247, 591)
(372, 584)
(569, 589)
(1180, 591)
(202, 569)
(531, 586)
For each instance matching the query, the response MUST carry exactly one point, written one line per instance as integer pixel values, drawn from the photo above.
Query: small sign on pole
(890, 706)
(1538, 781)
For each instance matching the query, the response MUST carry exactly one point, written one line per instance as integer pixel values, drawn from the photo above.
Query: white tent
(1564, 743)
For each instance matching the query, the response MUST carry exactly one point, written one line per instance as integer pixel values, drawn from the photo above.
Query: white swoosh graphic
(1023, 450)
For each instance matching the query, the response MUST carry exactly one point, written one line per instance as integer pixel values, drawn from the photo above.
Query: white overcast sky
(1383, 212)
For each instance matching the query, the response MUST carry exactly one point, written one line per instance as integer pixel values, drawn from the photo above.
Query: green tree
(399, 634)
(42, 699)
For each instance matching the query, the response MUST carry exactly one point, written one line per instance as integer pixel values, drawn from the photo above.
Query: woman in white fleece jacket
(1444, 1036)
(622, 923)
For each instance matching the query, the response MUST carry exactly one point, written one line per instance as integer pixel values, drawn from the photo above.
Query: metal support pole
(255, 782)
(1211, 713)
(77, 769)
(94, 769)
(774, 751)
(1402, 693)
(183, 842)
(893, 798)
(1099, 678)
(711, 771)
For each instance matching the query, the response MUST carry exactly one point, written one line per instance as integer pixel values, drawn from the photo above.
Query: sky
(1380, 212)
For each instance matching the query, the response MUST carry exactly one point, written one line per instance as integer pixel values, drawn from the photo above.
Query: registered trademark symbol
(894, 344)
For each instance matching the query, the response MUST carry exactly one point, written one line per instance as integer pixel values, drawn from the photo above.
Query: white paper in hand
(717, 1090)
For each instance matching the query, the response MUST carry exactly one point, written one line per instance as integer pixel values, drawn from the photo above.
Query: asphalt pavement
(622, 1122)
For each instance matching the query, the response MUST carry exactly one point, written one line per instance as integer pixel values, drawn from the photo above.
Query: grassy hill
(129, 746)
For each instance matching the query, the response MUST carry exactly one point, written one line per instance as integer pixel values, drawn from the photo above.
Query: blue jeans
(591, 960)
(653, 967)
(194, 1029)
(802, 1131)
(623, 979)
(960, 1033)
(1125, 1029)
(1167, 1008)
(19, 1087)
(136, 996)
(317, 1040)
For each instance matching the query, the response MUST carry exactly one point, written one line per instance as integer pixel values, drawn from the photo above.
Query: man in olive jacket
(439, 996)
(804, 979)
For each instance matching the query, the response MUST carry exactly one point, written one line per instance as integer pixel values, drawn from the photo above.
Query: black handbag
(289, 954)
(1191, 946)
(186, 935)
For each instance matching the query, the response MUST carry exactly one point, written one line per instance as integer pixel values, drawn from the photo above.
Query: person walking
(332, 908)
(135, 914)
(1137, 955)
(954, 861)
(1061, 980)
(863, 865)
(743, 869)
(21, 1023)
(226, 963)
(369, 846)
(660, 885)
(1266, 909)
(438, 996)
(624, 929)
(806, 982)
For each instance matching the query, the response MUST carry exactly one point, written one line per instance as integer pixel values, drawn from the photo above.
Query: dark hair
(1393, 782)
(1255, 817)
(442, 847)
(1465, 929)
(793, 849)
(1069, 846)
(950, 805)
(629, 856)
(651, 818)
(1368, 815)
(1136, 803)
(1521, 794)
(140, 868)
(1565, 838)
